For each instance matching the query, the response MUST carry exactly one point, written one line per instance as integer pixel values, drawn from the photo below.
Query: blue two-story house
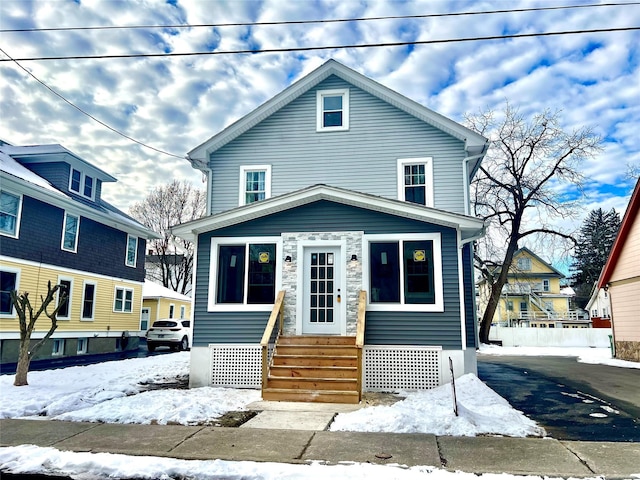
(338, 215)
(55, 226)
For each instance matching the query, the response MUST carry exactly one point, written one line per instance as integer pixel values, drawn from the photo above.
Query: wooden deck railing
(362, 308)
(276, 317)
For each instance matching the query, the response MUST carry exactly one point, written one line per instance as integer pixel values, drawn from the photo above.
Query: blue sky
(176, 103)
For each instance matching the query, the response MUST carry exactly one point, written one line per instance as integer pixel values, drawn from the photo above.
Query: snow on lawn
(112, 392)
(598, 355)
(480, 411)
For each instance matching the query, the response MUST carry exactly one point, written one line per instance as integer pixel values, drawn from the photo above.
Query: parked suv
(171, 333)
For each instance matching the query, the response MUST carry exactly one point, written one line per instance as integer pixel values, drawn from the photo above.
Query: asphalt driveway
(571, 400)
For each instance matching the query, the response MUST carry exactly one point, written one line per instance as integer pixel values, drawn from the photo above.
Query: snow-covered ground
(115, 392)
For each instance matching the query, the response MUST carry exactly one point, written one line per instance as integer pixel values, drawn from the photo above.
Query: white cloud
(176, 103)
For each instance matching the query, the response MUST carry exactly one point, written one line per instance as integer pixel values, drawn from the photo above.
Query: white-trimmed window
(66, 288)
(244, 272)
(172, 309)
(88, 301)
(524, 264)
(58, 347)
(183, 311)
(546, 286)
(70, 232)
(123, 301)
(404, 272)
(82, 346)
(332, 110)
(132, 251)
(10, 210)
(255, 183)
(9, 281)
(82, 184)
(415, 180)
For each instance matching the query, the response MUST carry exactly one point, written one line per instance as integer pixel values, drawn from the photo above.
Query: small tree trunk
(24, 359)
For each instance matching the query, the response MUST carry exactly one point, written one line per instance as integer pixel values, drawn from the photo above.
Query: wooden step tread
(316, 367)
(315, 379)
(303, 355)
(316, 340)
(301, 395)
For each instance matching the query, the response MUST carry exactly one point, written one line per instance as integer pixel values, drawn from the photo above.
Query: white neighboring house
(599, 308)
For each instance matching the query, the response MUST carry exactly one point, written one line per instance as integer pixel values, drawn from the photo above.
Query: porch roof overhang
(469, 227)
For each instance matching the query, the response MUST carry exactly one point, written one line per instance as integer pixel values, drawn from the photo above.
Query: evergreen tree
(596, 237)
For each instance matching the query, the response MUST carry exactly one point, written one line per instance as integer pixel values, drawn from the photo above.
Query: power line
(305, 22)
(317, 48)
(88, 114)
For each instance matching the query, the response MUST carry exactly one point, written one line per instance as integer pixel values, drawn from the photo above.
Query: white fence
(550, 337)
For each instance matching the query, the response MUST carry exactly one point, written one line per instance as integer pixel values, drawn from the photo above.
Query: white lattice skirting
(401, 368)
(236, 366)
(385, 368)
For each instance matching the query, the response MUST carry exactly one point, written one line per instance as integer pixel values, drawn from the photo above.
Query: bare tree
(171, 259)
(520, 188)
(23, 307)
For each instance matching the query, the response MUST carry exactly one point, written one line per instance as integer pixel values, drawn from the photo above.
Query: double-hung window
(65, 290)
(10, 206)
(415, 180)
(255, 183)
(70, 232)
(405, 272)
(332, 110)
(82, 184)
(524, 264)
(132, 251)
(123, 300)
(88, 301)
(244, 272)
(8, 282)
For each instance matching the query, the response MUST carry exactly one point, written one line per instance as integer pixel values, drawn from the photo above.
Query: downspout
(465, 173)
(207, 172)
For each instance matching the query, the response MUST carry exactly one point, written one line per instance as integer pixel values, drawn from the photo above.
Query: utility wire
(333, 47)
(88, 114)
(305, 22)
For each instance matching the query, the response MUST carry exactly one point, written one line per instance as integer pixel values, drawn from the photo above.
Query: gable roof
(154, 290)
(630, 216)
(470, 227)
(475, 144)
(533, 255)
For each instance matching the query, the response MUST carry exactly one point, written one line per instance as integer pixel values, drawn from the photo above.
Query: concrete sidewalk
(544, 457)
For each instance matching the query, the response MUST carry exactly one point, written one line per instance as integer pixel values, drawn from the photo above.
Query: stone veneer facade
(290, 241)
(626, 350)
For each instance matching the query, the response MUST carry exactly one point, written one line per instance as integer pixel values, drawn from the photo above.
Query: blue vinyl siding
(389, 328)
(363, 159)
(101, 249)
(56, 173)
(469, 296)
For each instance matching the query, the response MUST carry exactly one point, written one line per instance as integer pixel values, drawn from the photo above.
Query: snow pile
(480, 411)
(31, 459)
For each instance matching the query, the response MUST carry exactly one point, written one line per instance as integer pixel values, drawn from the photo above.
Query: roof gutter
(466, 180)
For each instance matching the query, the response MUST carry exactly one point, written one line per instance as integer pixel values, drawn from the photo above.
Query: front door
(321, 312)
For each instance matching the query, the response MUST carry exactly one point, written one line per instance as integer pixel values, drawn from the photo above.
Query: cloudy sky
(174, 103)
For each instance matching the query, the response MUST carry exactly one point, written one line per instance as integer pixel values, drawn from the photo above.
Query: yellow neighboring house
(54, 226)
(160, 302)
(532, 296)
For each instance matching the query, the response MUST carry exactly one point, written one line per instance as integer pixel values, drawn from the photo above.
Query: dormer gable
(63, 169)
(527, 263)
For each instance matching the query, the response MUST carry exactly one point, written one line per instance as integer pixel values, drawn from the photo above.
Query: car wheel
(151, 347)
(184, 344)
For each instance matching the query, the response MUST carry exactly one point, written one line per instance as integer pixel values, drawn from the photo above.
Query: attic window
(524, 264)
(81, 184)
(332, 110)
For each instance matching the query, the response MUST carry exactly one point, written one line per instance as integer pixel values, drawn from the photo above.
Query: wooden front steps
(314, 369)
